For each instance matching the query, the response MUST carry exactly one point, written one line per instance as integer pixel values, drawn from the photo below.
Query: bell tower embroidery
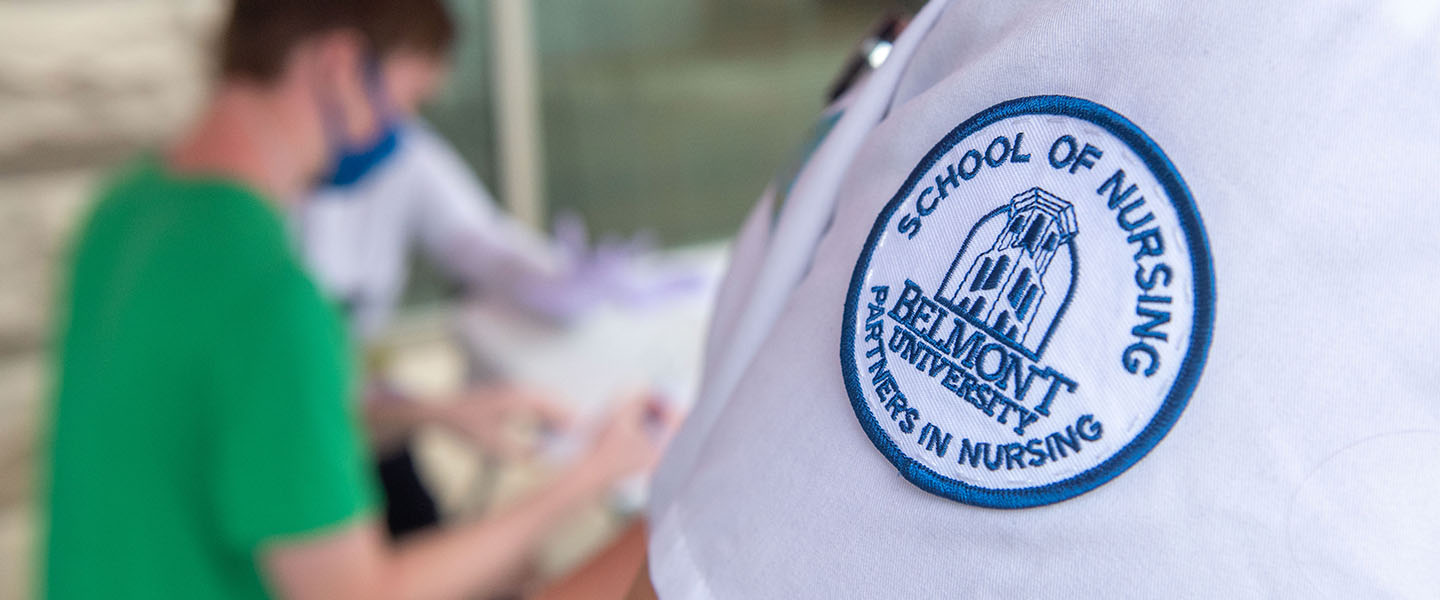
(1004, 287)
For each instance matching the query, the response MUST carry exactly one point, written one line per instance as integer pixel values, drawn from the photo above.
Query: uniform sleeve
(289, 458)
(459, 226)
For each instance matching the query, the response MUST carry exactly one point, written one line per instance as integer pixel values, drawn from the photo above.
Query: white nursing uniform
(1087, 300)
(357, 240)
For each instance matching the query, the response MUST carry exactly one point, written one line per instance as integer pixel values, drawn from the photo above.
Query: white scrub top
(357, 240)
(958, 364)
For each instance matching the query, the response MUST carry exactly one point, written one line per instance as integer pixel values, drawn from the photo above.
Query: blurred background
(658, 117)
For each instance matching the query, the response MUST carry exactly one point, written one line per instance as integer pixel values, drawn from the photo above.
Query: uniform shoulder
(431, 151)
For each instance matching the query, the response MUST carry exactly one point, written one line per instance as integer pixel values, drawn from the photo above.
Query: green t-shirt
(201, 403)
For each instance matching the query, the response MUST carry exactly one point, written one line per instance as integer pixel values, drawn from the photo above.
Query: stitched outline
(1190, 369)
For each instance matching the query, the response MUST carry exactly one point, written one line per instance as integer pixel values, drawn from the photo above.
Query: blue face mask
(349, 162)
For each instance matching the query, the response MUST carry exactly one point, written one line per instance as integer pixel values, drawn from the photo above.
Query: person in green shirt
(203, 442)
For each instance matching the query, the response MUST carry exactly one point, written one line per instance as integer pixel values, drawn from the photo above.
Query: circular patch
(1032, 309)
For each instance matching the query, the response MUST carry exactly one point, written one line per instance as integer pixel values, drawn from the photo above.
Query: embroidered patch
(1032, 309)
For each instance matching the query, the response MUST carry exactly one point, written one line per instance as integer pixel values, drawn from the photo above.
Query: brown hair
(261, 34)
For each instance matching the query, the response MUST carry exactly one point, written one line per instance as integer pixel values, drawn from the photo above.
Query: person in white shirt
(357, 233)
(1086, 300)
(359, 239)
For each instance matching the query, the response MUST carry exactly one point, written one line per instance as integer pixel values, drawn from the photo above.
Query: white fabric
(357, 240)
(1306, 462)
(802, 220)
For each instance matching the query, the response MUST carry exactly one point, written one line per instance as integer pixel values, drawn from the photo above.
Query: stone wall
(83, 85)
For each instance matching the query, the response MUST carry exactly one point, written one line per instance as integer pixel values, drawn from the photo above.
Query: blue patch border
(1200, 334)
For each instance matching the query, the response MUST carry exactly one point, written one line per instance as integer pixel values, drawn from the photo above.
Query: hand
(493, 418)
(631, 440)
